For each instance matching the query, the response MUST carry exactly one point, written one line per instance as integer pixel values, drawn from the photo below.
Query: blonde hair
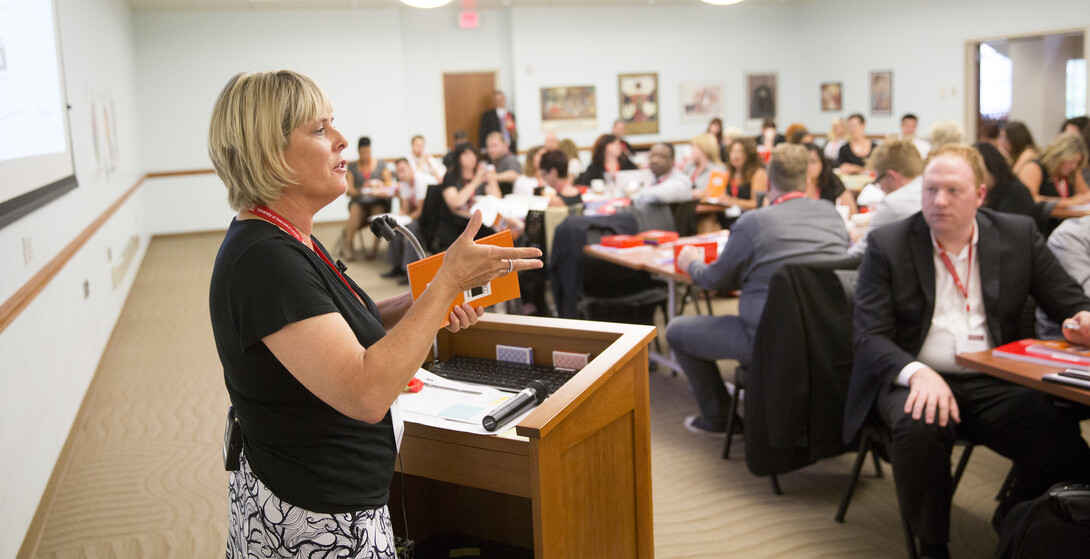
(251, 127)
(832, 137)
(898, 155)
(568, 147)
(969, 154)
(528, 167)
(944, 133)
(787, 167)
(709, 145)
(1065, 146)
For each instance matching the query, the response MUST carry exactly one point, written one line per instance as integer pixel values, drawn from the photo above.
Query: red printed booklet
(503, 288)
(1046, 352)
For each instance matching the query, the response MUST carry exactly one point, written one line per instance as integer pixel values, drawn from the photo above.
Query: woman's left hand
(464, 316)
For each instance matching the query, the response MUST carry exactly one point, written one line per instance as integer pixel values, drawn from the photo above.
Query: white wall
(592, 45)
(923, 42)
(49, 354)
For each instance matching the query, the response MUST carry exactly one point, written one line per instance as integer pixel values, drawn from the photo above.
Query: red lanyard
(963, 288)
(788, 196)
(734, 184)
(274, 218)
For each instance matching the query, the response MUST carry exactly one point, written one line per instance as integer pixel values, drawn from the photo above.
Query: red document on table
(1046, 352)
(710, 249)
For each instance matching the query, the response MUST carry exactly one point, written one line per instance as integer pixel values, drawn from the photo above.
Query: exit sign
(468, 20)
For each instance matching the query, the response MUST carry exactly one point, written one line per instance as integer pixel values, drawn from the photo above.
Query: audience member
(464, 180)
(671, 185)
(850, 160)
(823, 184)
(554, 171)
(769, 136)
(836, 138)
(944, 133)
(551, 142)
(505, 165)
(460, 137)
(989, 133)
(412, 204)
(1081, 126)
(618, 130)
(575, 165)
(1017, 145)
(1070, 242)
(363, 175)
(311, 363)
(898, 165)
(952, 279)
(746, 176)
(423, 163)
(1005, 192)
(499, 119)
(715, 128)
(1056, 176)
(529, 182)
(908, 132)
(1075, 124)
(792, 229)
(797, 133)
(607, 158)
(705, 149)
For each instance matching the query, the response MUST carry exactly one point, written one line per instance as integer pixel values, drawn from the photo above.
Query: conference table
(1023, 373)
(1071, 212)
(658, 260)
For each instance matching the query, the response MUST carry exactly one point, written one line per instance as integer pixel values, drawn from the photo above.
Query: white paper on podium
(449, 404)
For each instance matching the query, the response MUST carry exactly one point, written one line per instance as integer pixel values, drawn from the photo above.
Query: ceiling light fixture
(425, 3)
(718, 2)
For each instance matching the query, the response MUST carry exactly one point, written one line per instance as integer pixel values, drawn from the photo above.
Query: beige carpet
(144, 477)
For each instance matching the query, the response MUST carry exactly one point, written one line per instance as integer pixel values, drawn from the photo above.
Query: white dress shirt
(950, 321)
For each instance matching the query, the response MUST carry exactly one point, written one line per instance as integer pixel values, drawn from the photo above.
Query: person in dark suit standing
(501, 120)
(948, 280)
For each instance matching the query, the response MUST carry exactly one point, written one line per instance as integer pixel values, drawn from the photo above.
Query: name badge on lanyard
(971, 342)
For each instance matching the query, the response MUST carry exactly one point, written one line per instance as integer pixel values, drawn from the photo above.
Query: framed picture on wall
(881, 92)
(701, 101)
(639, 102)
(830, 96)
(760, 98)
(569, 108)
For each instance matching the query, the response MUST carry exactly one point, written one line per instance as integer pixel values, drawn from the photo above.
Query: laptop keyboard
(500, 374)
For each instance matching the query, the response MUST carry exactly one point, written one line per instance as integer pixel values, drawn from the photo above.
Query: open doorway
(1038, 80)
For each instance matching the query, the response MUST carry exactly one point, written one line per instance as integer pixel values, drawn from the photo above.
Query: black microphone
(381, 228)
(533, 394)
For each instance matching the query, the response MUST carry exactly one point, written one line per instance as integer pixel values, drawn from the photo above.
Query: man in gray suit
(792, 229)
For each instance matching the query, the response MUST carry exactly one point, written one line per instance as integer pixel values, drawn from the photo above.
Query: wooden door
(465, 97)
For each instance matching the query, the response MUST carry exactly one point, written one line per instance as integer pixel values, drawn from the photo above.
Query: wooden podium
(573, 479)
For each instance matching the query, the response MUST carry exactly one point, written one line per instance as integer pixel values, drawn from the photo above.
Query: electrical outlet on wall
(28, 253)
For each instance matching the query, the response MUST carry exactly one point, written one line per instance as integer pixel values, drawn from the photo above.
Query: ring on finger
(510, 265)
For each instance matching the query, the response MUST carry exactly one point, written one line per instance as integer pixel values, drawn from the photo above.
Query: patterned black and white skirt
(262, 526)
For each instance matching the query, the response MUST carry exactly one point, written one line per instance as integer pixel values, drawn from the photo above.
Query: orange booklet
(503, 288)
(717, 184)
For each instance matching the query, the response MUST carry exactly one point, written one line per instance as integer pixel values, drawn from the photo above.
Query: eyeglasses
(882, 177)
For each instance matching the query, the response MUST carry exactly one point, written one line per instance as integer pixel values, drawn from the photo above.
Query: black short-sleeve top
(307, 453)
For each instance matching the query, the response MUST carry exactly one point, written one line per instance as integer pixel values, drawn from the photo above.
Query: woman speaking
(311, 363)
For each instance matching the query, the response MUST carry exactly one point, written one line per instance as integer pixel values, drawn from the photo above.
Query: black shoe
(403, 280)
(392, 273)
(934, 550)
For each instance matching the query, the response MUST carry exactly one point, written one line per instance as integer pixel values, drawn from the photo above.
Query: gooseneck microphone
(384, 226)
(533, 394)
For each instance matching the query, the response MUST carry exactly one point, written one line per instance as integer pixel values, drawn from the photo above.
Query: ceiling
(203, 5)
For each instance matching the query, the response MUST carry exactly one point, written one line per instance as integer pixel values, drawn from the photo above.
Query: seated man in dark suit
(793, 229)
(948, 280)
